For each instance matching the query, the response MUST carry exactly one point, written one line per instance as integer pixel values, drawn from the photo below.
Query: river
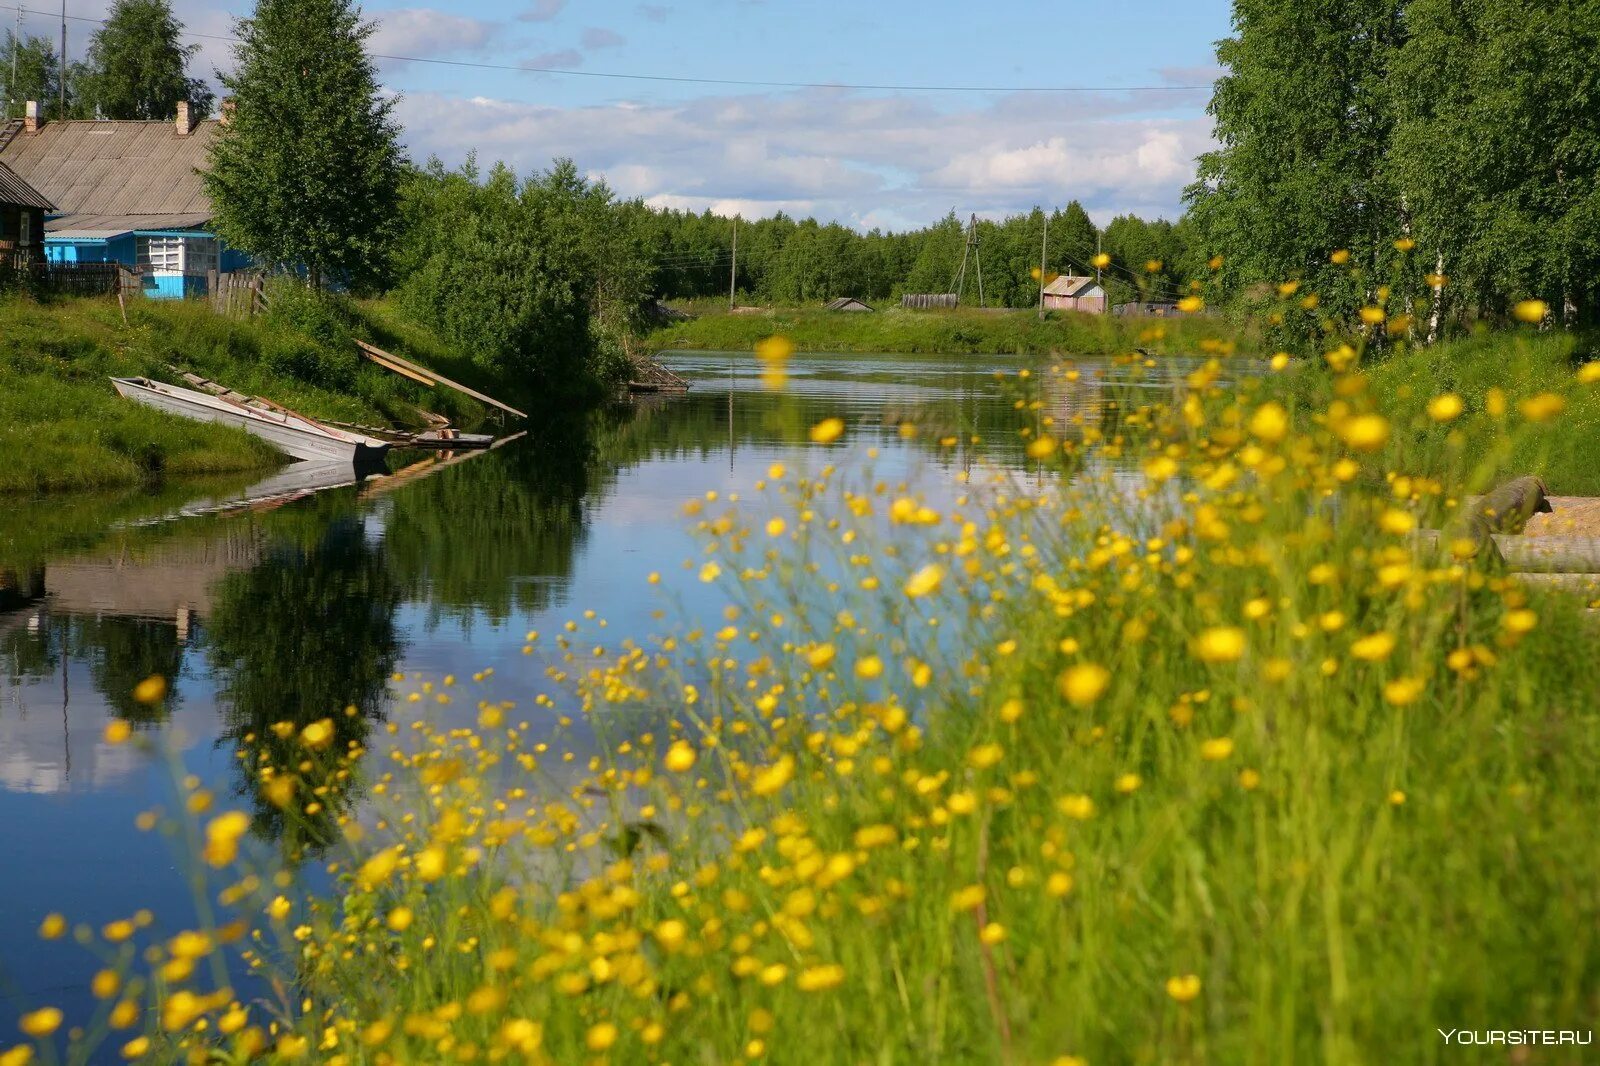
(279, 602)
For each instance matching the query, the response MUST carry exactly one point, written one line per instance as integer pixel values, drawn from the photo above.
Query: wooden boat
(291, 433)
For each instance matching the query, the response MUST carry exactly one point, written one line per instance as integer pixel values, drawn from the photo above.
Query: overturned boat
(286, 430)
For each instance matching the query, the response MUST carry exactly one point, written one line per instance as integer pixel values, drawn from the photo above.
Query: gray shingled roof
(115, 168)
(1069, 285)
(101, 227)
(13, 190)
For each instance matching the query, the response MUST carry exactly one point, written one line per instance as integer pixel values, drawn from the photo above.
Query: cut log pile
(1546, 541)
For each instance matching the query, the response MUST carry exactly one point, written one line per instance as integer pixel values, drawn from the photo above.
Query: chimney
(225, 111)
(30, 120)
(185, 127)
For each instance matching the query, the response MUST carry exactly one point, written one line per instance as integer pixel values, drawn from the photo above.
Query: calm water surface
(300, 602)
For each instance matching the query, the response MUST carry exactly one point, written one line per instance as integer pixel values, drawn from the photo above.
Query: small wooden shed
(848, 303)
(1072, 293)
(22, 211)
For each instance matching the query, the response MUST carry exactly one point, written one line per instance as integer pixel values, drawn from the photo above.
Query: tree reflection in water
(307, 633)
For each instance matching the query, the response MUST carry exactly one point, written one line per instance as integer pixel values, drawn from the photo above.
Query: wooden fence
(238, 294)
(70, 279)
(923, 301)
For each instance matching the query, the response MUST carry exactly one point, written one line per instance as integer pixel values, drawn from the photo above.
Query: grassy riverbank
(964, 331)
(62, 425)
(1496, 433)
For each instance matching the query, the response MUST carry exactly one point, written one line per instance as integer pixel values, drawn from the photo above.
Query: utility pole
(61, 75)
(16, 42)
(1044, 245)
(970, 250)
(733, 271)
(977, 258)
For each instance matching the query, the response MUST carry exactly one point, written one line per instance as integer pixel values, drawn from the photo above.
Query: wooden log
(1507, 508)
(1543, 555)
(1551, 555)
(1586, 585)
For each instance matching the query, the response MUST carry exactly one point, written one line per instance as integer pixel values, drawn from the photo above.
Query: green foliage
(38, 77)
(306, 173)
(498, 268)
(1497, 151)
(786, 262)
(138, 68)
(1467, 127)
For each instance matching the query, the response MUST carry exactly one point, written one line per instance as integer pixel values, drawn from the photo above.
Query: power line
(727, 82)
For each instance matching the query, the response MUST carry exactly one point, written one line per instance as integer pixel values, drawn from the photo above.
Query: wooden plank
(421, 373)
(389, 364)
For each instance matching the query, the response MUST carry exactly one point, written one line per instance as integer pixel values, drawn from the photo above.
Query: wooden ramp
(416, 372)
(650, 376)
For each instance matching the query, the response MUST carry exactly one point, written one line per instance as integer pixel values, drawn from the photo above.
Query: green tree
(38, 76)
(138, 69)
(497, 266)
(1074, 240)
(1497, 151)
(306, 173)
(1304, 119)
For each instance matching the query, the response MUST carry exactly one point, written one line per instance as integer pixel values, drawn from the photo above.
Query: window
(25, 232)
(161, 255)
(200, 256)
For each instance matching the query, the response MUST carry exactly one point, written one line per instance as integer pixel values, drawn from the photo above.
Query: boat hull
(287, 432)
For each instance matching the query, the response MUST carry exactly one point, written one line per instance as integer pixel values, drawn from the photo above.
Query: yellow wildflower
(925, 581)
(827, 431)
(1445, 407)
(1220, 644)
(1084, 683)
(1184, 989)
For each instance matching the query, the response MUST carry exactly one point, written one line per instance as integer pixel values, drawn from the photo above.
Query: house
(22, 214)
(125, 192)
(1071, 293)
(847, 303)
(1153, 309)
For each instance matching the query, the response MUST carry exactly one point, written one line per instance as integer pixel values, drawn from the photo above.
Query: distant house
(125, 192)
(22, 213)
(847, 303)
(1072, 293)
(1153, 309)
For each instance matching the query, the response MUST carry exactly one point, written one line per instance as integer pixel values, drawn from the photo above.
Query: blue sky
(867, 158)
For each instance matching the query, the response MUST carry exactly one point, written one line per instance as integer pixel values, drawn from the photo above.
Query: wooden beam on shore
(415, 372)
(1538, 555)
(1578, 584)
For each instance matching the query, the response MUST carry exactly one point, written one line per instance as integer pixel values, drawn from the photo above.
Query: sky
(890, 158)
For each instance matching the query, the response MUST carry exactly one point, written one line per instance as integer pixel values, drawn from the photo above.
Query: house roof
(846, 302)
(115, 168)
(13, 190)
(104, 227)
(1071, 285)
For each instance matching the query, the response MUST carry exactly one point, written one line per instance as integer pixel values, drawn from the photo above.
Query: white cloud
(543, 10)
(425, 32)
(564, 59)
(890, 161)
(599, 37)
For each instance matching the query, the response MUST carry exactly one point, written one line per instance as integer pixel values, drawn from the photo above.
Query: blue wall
(124, 249)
